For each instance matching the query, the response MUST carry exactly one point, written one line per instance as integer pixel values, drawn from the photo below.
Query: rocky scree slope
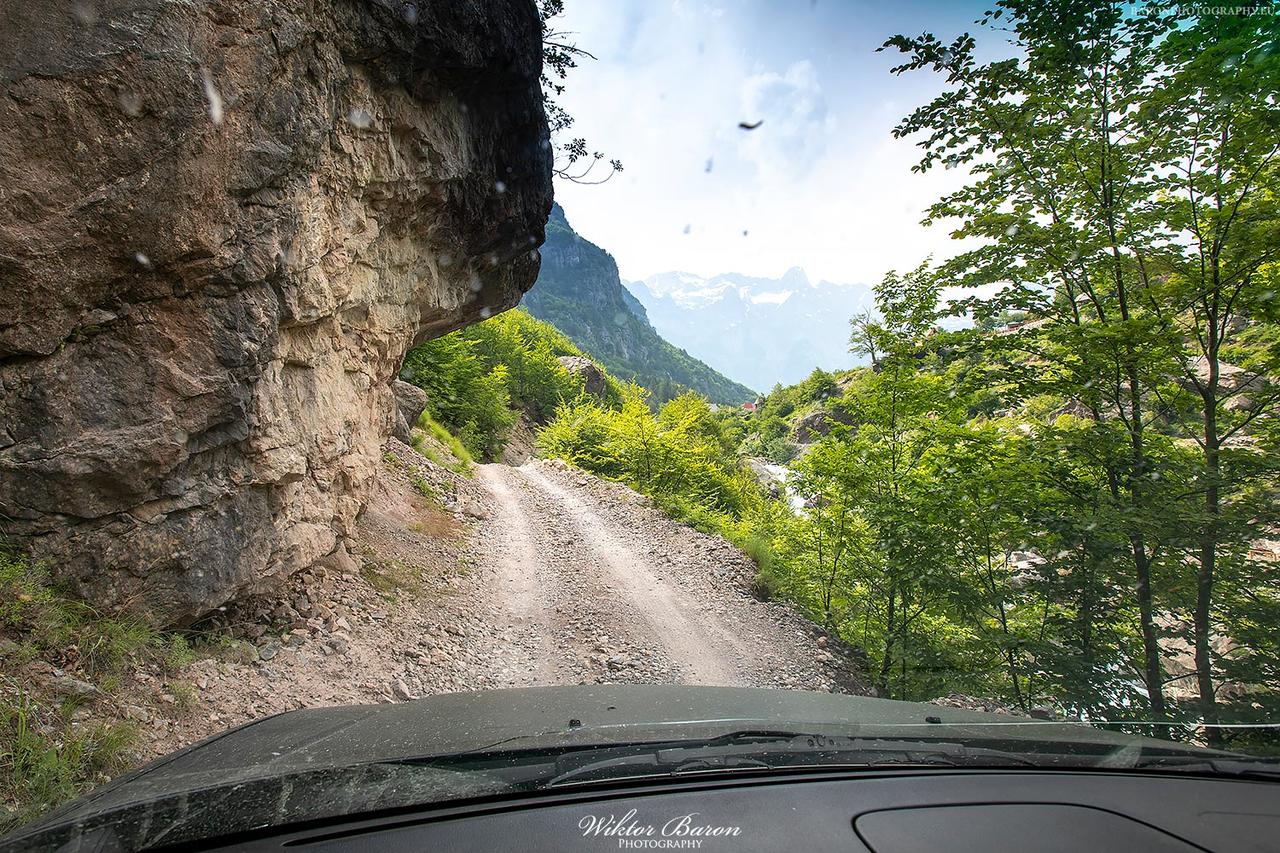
(221, 226)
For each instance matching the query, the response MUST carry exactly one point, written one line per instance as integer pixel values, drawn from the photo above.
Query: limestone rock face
(593, 381)
(222, 224)
(411, 402)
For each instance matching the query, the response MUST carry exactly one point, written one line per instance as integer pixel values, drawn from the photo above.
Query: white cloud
(793, 116)
(821, 184)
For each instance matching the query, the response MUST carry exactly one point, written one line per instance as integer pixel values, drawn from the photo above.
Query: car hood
(342, 760)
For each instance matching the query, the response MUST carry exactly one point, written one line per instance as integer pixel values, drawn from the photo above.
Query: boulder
(593, 380)
(222, 224)
(820, 421)
(411, 402)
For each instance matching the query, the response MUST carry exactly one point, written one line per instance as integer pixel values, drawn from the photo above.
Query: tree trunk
(1208, 558)
(1153, 673)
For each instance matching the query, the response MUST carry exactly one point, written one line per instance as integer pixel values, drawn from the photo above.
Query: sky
(821, 184)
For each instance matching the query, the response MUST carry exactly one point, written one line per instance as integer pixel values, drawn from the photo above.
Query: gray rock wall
(222, 224)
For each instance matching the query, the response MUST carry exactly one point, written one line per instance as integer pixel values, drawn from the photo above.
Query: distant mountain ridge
(580, 292)
(758, 331)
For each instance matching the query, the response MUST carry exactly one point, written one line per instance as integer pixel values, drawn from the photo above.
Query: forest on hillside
(1070, 501)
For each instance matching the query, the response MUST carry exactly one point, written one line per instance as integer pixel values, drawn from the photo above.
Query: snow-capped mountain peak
(734, 322)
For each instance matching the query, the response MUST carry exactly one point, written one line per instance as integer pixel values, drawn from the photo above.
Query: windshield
(909, 371)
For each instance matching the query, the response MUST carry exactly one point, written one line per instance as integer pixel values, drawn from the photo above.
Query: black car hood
(322, 762)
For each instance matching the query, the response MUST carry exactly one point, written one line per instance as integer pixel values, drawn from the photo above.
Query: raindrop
(462, 107)
(947, 56)
(544, 144)
(1230, 63)
(1267, 295)
(744, 232)
(475, 283)
(213, 96)
(500, 186)
(620, 318)
(709, 165)
(130, 102)
(142, 260)
(359, 118)
(410, 14)
(1012, 230)
(486, 312)
(446, 259)
(85, 14)
(1062, 555)
(1093, 525)
(687, 229)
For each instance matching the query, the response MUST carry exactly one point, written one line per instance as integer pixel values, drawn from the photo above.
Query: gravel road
(599, 585)
(533, 575)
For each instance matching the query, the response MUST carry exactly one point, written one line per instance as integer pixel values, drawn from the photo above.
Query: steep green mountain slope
(579, 292)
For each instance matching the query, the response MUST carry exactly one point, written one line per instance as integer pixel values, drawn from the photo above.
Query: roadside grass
(53, 746)
(461, 461)
(45, 760)
(392, 577)
(423, 487)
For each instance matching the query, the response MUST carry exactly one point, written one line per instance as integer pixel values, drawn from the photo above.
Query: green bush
(479, 378)
(680, 456)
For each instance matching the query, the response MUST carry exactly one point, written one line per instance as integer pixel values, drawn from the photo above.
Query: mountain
(579, 292)
(758, 331)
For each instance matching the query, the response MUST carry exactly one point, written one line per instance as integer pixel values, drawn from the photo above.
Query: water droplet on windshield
(410, 14)
(486, 312)
(142, 260)
(130, 102)
(620, 318)
(359, 118)
(85, 14)
(500, 186)
(687, 229)
(1012, 230)
(708, 167)
(213, 96)
(475, 283)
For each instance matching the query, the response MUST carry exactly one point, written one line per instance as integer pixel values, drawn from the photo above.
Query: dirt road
(532, 575)
(599, 585)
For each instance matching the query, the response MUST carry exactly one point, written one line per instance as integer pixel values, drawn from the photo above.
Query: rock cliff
(222, 224)
(579, 292)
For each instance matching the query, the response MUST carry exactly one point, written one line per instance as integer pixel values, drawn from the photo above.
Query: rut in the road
(702, 650)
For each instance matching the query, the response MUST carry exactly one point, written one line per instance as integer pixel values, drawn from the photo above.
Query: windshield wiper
(773, 750)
